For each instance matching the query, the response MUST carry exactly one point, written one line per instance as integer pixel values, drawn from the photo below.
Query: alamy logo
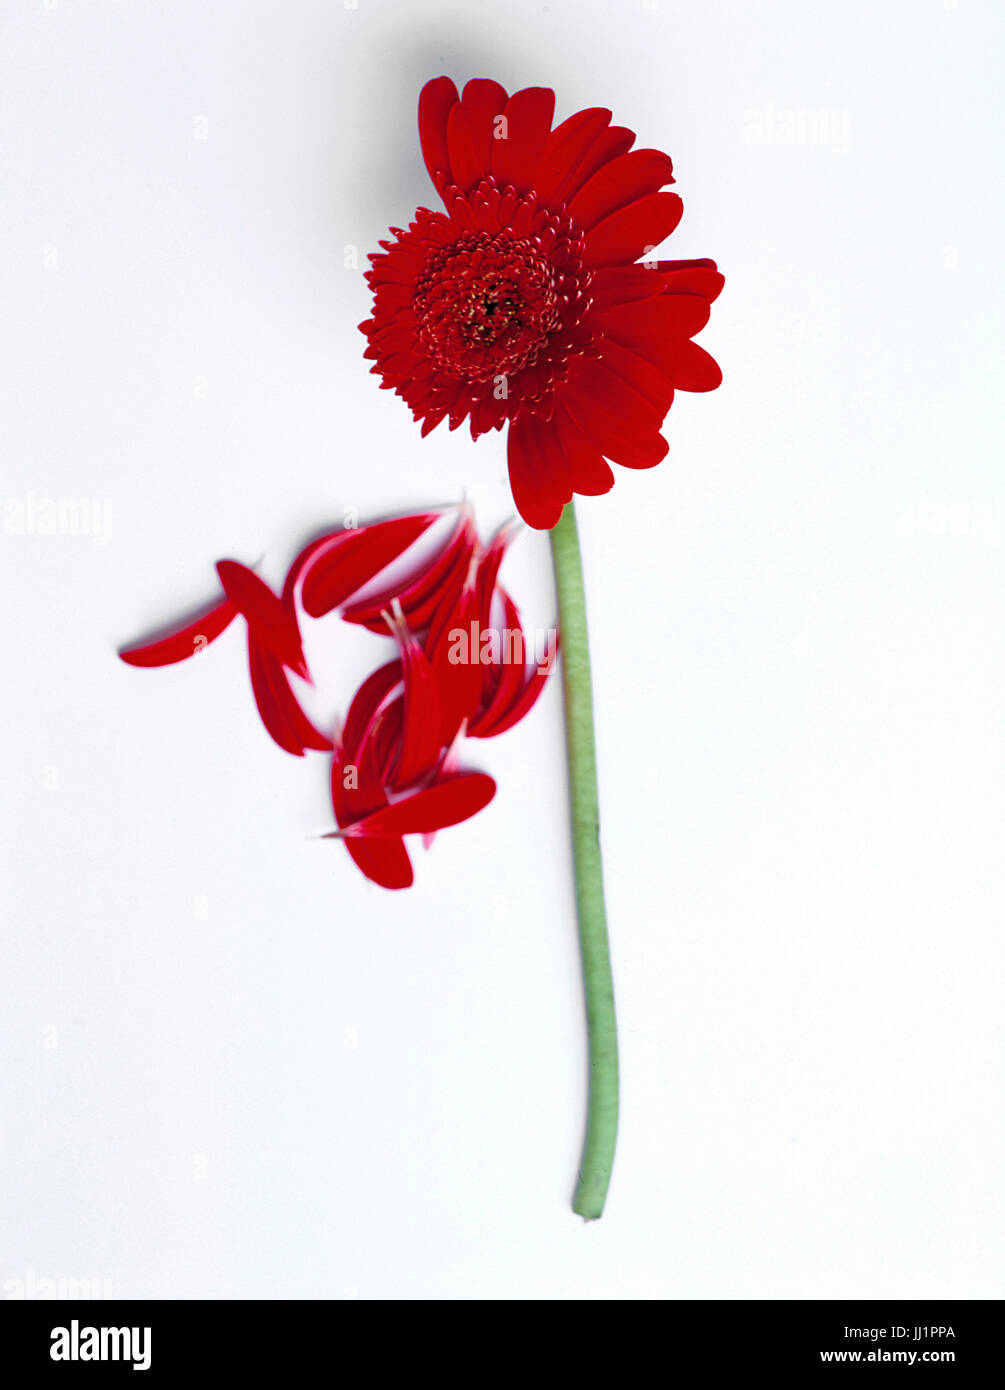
(38, 1287)
(787, 126)
(475, 645)
(32, 515)
(76, 1343)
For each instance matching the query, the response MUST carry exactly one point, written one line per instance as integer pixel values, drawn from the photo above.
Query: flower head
(523, 304)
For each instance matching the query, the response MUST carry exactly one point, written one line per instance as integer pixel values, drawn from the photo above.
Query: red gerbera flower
(522, 303)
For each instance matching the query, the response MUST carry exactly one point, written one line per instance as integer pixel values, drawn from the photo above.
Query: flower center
(486, 305)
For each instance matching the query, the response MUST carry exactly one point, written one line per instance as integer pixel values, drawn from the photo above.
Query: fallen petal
(512, 670)
(273, 623)
(338, 571)
(453, 646)
(185, 641)
(524, 702)
(423, 591)
(445, 803)
(367, 703)
(422, 717)
(279, 708)
(356, 792)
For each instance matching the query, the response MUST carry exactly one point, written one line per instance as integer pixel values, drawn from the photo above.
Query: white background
(230, 1065)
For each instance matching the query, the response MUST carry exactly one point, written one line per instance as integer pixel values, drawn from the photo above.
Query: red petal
(633, 231)
(445, 803)
(591, 475)
(567, 147)
(651, 326)
(366, 705)
(512, 672)
(294, 578)
(486, 585)
(600, 389)
(524, 702)
(421, 742)
(356, 557)
(386, 737)
(383, 861)
(421, 593)
(695, 370)
(609, 144)
(465, 167)
(273, 716)
(488, 567)
(456, 667)
(278, 706)
(274, 624)
(185, 641)
(650, 381)
(483, 100)
(622, 181)
(449, 766)
(516, 158)
(538, 473)
(695, 277)
(435, 101)
(445, 614)
(614, 417)
(622, 284)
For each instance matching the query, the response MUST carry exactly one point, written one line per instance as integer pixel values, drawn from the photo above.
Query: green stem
(602, 1119)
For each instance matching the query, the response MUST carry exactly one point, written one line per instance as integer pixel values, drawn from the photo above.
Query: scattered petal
(337, 571)
(422, 713)
(368, 702)
(421, 593)
(185, 641)
(525, 701)
(454, 650)
(356, 792)
(511, 673)
(272, 622)
(279, 708)
(446, 803)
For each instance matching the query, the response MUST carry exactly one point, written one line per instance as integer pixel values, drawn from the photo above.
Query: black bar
(295, 1338)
